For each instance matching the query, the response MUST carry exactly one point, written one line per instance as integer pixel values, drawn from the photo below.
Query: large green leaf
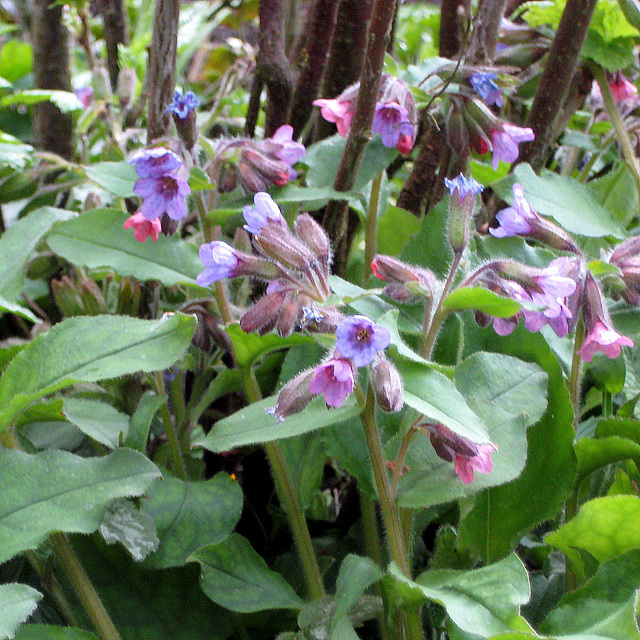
(594, 453)
(236, 577)
(51, 632)
(605, 527)
(500, 514)
(97, 239)
(58, 491)
(484, 602)
(17, 244)
(253, 425)
(509, 395)
(570, 203)
(117, 177)
(482, 300)
(17, 603)
(88, 349)
(190, 515)
(150, 604)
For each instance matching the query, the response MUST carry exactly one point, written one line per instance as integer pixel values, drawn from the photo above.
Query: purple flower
(483, 84)
(155, 162)
(334, 378)
(183, 105)
(391, 121)
(220, 261)
(289, 150)
(603, 338)
(464, 186)
(85, 95)
(264, 211)
(466, 455)
(358, 338)
(164, 194)
(516, 220)
(505, 143)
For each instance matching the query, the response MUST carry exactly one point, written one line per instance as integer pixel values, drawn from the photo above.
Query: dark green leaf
(51, 632)
(594, 453)
(98, 420)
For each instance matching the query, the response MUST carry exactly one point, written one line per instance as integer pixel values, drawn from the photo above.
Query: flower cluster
(483, 84)
(258, 164)
(163, 187)
(183, 110)
(394, 115)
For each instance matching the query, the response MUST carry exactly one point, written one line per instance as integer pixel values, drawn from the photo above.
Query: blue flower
(155, 162)
(220, 261)
(464, 186)
(166, 194)
(265, 210)
(483, 84)
(183, 105)
(358, 338)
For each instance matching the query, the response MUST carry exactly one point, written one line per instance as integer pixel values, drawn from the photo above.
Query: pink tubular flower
(335, 379)
(467, 456)
(143, 228)
(338, 111)
(516, 220)
(505, 142)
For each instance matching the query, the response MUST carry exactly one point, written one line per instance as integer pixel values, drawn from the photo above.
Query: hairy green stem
(371, 229)
(170, 429)
(575, 375)
(617, 123)
(288, 499)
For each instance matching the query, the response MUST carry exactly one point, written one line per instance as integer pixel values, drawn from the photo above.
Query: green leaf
(17, 244)
(97, 239)
(616, 192)
(605, 527)
(98, 420)
(631, 12)
(88, 349)
(484, 602)
(625, 428)
(141, 422)
(58, 491)
(15, 155)
(594, 453)
(190, 515)
(150, 604)
(16, 59)
(305, 456)
(12, 307)
(51, 632)
(580, 212)
(117, 177)
(236, 577)
(136, 531)
(17, 603)
(64, 100)
(613, 55)
(252, 425)
(395, 228)
(250, 347)
(482, 300)
(502, 513)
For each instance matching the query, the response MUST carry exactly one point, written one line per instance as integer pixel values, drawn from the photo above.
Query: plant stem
(617, 123)
(575, 375)
(288, 499)
(371, 228)
(370, 528)
(170, 429)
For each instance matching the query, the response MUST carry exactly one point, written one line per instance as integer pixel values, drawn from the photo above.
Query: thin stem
(370, 528)
(288, 499)
(402, 454)
(83, 587)
(575, 375)
(170, 429)
(371, 228)
(617, 123)
(433, 326)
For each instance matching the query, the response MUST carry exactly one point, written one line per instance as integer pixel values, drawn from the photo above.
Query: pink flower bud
(387, 385)
(314, 236)
(294, 396)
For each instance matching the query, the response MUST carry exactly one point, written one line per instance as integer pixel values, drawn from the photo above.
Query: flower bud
(387, 385)
(264, 314)
(127, 81)
(314, 236)
(463, 198)
(271, 169)
(278, 243)
(294, 396)
(626, 250)
(288, 316)
(399, 274)
(128, 297)
(92, 298)
(67, 297)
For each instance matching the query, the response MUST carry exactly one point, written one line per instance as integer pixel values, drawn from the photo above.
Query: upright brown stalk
(345, 54)
(485, 31)
(116, 32)
(161, 82)
(336, 213)
(52, 129)
(556, 79)
(450, 28)
(323, 22)
(273, 65)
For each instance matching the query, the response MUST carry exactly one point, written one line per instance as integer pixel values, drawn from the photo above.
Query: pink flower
(505, 142)
(143, 228)
(340, 112)
(605, 339)
(335, 379)
(467, 456)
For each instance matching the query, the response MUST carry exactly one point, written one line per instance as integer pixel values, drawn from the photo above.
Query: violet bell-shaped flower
(600, 334)
(467, 456)
(264, 211)
(359, 338)
(335, 379)
(165, 194)
(155, 162)
(483, 84)
(505, 141)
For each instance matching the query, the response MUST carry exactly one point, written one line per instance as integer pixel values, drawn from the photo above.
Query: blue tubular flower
(155, 163)
(358, 338)
(464, 186)
(265, 210)
(483, 84)
(183, 105)
(165, 194)
(220, 261)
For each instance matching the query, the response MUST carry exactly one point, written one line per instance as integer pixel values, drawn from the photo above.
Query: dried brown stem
(162, 67)
(555, 82)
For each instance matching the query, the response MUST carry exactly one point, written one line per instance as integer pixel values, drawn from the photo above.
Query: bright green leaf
(595, 453)
(58, 491)
(116, 177)
(17, 603)
(97, 239)
(89, 349)
(236, 577)
(482, 300)
(51, 632)
(64, 100)
(16, 59)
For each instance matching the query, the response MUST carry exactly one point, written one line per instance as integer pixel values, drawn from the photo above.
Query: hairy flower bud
(463, 198)
(278, 243)
(264, 314)
(387, 385)
(294, 396)
(288, 316)
(314, 236)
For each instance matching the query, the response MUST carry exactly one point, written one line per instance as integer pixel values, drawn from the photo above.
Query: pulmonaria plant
(183, 109)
